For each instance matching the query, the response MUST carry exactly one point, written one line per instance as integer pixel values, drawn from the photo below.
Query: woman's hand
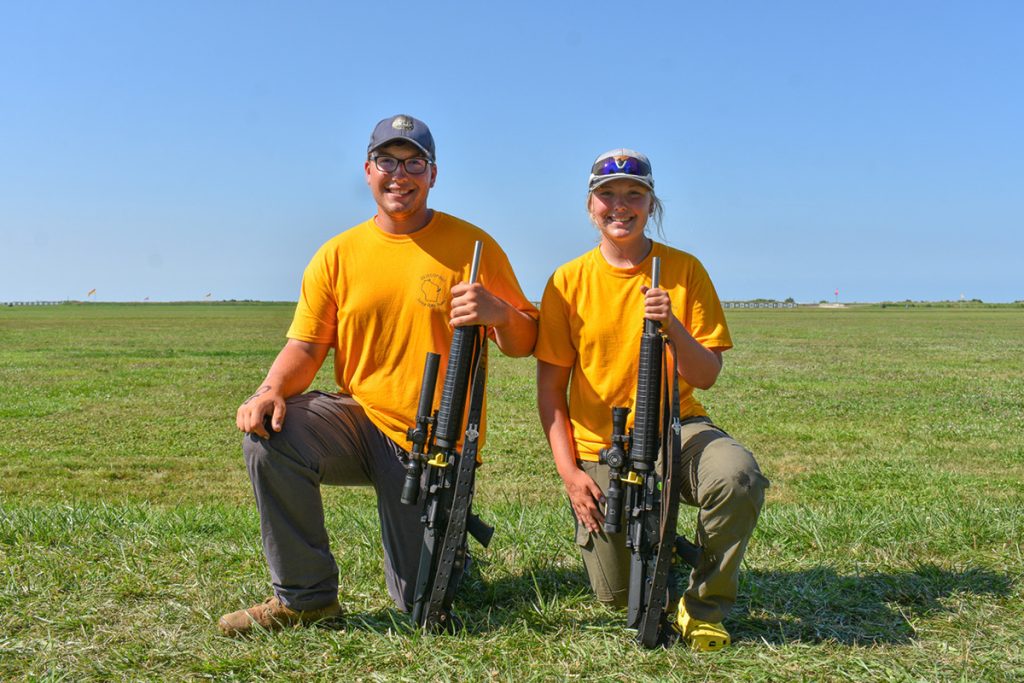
(585, 495)
(657, 306)
(698, 365)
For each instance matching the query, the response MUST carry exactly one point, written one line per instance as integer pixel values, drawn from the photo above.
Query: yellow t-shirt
(591, 319)
(383, 301)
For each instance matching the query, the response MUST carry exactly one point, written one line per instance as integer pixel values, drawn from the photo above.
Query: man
(382, 295)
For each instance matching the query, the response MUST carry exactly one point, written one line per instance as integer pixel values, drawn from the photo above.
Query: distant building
(759, 303)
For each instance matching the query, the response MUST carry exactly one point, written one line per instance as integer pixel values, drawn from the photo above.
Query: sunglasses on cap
(624, 165)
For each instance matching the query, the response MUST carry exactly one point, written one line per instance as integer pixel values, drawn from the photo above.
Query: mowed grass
(889, 548)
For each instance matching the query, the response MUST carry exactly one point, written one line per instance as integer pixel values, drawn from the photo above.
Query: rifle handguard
(646, 439)
(454, 391)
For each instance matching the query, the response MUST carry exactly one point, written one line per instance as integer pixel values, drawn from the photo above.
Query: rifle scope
(418, 434)
(615, 458)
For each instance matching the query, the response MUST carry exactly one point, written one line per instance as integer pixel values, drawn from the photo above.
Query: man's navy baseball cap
(402, 127)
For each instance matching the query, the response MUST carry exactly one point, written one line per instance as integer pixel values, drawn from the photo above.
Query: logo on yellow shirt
(432, 290)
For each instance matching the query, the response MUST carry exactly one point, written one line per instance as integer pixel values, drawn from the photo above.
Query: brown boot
(272, 614)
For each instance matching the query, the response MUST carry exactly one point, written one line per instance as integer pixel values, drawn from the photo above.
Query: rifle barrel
(474, 270)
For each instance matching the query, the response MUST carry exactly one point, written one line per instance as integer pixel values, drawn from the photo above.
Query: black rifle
(448, 496)
(651, 493)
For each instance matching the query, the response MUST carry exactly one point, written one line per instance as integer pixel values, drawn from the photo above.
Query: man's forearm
(518, 335)
(294, 368)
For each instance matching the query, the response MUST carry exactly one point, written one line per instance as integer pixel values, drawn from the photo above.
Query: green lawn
(889, 548)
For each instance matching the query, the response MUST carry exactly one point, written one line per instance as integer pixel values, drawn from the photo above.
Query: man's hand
(472, 304)
(584, 494)
(292, 372)
(256, 408)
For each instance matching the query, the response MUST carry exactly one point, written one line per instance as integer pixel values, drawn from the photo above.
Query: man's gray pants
(328, 439)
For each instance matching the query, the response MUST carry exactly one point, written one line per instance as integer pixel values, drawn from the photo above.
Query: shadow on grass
(544, 599)
(820, 604)
(777, 607)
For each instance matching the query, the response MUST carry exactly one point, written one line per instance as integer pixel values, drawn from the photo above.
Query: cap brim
(402, 138)
(598, 181)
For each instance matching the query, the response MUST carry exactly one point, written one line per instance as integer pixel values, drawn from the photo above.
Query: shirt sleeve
(555, 344)
(316, 314)
(497, 276)
(705, 318)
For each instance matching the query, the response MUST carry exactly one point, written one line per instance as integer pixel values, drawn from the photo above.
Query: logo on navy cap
(402, 123)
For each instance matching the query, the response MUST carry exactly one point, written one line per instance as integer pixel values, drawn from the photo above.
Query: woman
(589, 340)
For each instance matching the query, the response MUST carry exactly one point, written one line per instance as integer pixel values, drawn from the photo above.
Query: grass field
(889, 548)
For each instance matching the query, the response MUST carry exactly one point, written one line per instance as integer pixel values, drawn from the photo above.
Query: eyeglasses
(626, 165)
(412, 165)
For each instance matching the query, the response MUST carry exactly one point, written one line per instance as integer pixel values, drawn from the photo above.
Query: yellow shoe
(701, 635)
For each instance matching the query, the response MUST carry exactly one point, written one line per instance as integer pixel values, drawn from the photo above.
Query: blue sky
(170, 150)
